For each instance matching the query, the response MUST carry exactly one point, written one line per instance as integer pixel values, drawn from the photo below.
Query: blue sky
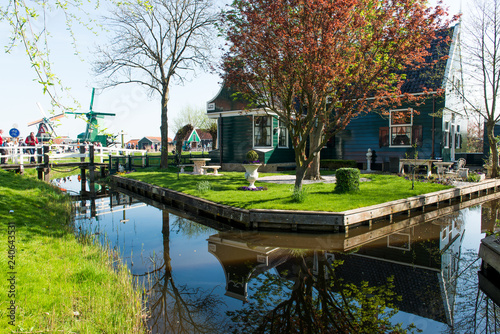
(136, 114)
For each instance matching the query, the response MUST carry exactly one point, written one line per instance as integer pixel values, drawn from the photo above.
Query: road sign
(14, 133)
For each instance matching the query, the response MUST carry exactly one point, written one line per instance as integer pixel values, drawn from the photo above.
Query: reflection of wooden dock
(489, 276)
(314, 221)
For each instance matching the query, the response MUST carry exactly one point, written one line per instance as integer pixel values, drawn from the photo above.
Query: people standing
(2, 150)
(31, 141)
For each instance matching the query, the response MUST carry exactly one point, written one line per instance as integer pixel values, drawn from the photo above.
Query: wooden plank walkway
(313, 221)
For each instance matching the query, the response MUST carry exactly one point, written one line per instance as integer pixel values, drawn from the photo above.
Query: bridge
(86, 157)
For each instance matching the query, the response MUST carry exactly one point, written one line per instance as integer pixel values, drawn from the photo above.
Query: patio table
(416, 162)
(198, 163)
(442, 167)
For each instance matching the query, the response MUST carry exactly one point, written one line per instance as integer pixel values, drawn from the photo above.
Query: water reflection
(421, 262)
(214, 279)
(177, 308)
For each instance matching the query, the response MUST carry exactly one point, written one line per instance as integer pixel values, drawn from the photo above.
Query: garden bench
(185, 165)
(215, 168)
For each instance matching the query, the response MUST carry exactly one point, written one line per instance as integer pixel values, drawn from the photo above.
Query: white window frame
(270, 132)
(446, 134)
(279, 134)
(410, 125)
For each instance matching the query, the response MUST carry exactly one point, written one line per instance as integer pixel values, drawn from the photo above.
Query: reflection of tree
(178, 309)
(189, 228)
(307, 297)
(478, 313)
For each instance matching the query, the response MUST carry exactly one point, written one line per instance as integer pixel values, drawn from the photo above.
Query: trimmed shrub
(252, 156)
(336, 164)
(347, 180)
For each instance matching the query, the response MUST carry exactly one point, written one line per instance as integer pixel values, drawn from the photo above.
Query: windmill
(92, 131)
(46, 130)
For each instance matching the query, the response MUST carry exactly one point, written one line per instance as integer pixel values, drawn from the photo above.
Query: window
(458, 138)
(400, 127)
(262, 131)
(446, 135)
(283, 135)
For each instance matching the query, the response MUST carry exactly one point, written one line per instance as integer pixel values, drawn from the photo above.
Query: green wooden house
(436, 128)
(196, 140)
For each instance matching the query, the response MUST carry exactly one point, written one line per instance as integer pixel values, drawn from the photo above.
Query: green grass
(320, 196)
(62, 284)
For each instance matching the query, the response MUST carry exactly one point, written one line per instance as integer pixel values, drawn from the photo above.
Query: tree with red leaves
(315, 64)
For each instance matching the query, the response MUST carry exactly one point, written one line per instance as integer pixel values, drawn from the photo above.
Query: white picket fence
(21, 154)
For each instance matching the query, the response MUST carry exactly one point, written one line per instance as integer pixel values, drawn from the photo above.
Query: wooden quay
(314, 221)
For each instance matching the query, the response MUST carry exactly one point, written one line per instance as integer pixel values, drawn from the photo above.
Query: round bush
(347, 180)
(252, 156)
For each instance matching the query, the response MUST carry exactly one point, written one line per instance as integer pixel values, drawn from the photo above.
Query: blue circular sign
(14, 133)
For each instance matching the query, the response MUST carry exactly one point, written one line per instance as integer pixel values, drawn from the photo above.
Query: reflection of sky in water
(136, 232)
(139, 239)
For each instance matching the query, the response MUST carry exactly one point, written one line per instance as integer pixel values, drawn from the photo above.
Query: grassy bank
(320, 196)
(60, 284)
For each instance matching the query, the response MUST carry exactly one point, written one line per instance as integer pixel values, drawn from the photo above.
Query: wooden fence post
(39, 160)
(46, 166)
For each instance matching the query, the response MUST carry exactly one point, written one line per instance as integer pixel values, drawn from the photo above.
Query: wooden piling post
(82, 151)
(91, 170)
(83, 179)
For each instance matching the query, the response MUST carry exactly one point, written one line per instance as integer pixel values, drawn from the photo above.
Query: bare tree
(154, 43)
(197, 117)
(482, 52)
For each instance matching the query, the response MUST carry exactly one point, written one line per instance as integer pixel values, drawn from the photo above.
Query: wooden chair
(460, 172)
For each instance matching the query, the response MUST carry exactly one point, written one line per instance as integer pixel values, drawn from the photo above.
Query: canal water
(204, 277)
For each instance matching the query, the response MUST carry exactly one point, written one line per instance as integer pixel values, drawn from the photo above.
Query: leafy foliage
(252, 156)
(299, 195)
(316, 63)
(347, 180)
(203, 187)
(303, 300)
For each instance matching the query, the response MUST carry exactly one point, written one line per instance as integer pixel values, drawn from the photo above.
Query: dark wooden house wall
(362, 133)
(237, 140)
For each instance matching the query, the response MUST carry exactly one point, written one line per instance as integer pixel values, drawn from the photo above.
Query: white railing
(21, 154)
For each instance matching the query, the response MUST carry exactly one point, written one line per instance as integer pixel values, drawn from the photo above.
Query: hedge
(347, 180)
(337, 163)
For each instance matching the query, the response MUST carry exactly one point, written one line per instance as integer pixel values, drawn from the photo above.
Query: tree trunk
(490, 127)
(300, 173)
(315, 139)
(164, 130)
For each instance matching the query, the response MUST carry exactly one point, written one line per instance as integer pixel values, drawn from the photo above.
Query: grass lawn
(61, 284)
(320, 196)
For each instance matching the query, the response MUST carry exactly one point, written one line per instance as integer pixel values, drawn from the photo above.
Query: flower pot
(251, 174)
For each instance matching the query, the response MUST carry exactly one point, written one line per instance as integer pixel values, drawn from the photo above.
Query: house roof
(133, 141)
(204, 134)
(430, 77)
(154, 139)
